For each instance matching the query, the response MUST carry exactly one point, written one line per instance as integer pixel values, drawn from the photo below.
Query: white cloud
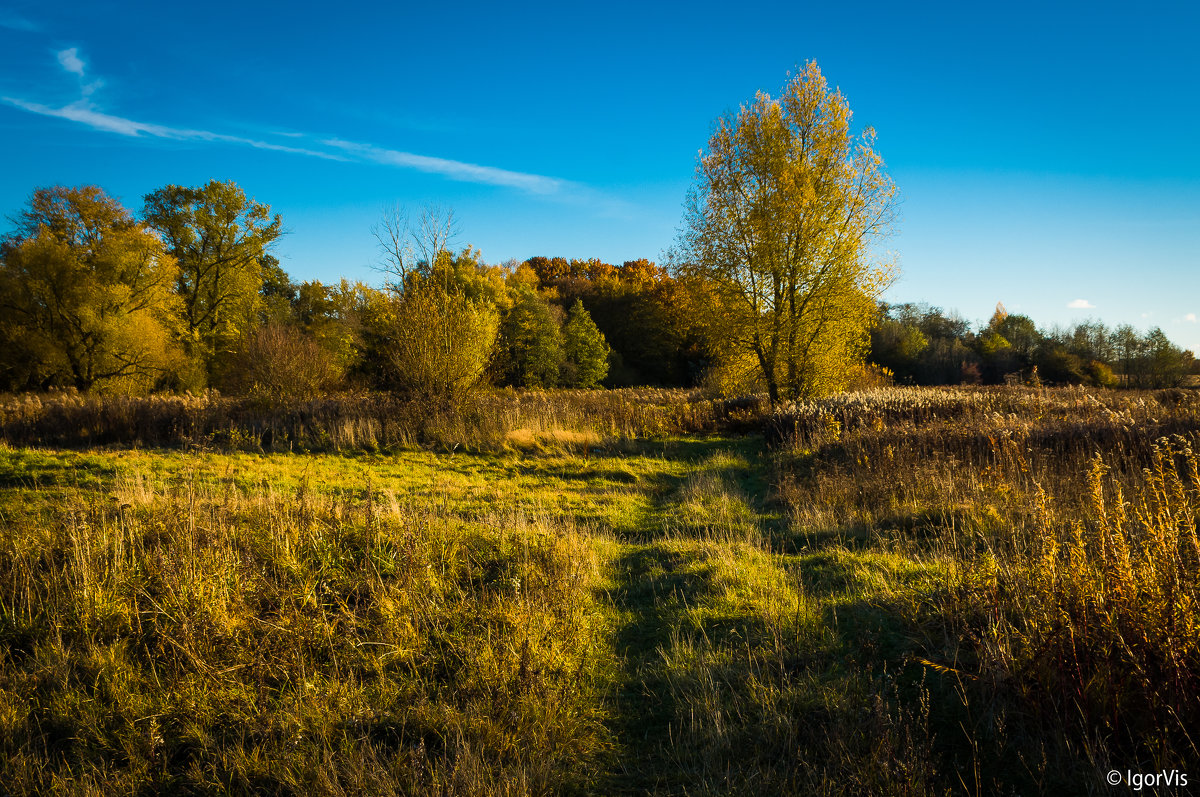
(1190, 318)
(1080, 304)
(455, 170)
(70, 61)
(84, 111)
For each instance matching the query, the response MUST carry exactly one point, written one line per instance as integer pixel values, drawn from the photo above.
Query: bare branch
(396, 257)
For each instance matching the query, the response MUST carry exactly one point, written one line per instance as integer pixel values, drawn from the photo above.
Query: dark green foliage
(531, 341)
(1022, 335)
(278, 291)
(642, 313)
(585, 352)
(1059, 366)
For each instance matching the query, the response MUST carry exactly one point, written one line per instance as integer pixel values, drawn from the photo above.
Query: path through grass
(625, 622)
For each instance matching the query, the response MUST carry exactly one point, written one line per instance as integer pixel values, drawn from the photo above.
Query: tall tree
(85, 295)
(219, 237)
(779, 228)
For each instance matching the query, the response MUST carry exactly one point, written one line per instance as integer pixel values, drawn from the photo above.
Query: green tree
(531, 340)
(896, 345)
(1022, 334)
(85, 295)
(220, 237)
(996, 353)
(585, 351)
(780, 225)
(1166, 365)
(278, 291)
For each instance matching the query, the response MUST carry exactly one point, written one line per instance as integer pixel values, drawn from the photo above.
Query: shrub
(279, 364)
(442, 342)
(1100, 374)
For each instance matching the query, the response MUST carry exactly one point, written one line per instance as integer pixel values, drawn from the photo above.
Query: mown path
(659, 576)
(751, 656)
(730, 653)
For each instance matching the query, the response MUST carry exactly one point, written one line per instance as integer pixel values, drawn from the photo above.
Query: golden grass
(909, 592)
(1065, 522)
(209, 638)
(366, 421)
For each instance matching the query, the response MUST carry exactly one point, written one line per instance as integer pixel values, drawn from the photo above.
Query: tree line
(189, 296)
(773, 286)
(921, 345)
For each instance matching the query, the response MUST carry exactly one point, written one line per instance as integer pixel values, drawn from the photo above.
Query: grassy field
(898, 592)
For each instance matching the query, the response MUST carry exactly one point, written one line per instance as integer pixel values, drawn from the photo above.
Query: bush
(1100, 374)
(442, 342)
(279, 365)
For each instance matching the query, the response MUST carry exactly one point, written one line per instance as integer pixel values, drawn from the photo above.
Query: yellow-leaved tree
(779, 237)
(220, 238)
(86, 296)
(442, 341)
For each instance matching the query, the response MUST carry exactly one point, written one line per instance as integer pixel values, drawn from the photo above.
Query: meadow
(898, 591)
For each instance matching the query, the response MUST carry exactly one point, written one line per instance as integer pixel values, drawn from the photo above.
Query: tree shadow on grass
(654, 586)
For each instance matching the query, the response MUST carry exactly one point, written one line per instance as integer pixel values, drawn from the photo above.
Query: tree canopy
(779, 229)
(220, 237)
(86, 295)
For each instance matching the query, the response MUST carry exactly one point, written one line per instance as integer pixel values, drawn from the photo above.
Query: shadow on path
(655, 579)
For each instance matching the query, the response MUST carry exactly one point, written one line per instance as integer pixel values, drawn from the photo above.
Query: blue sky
(1046, 153)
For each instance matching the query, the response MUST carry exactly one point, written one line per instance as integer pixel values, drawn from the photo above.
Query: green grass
(866, 608)
(449, 621)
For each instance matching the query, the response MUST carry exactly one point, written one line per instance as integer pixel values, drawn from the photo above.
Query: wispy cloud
(14, 21)
(1190, 318)
(455, 170)
(84, 111)
(1080, 304)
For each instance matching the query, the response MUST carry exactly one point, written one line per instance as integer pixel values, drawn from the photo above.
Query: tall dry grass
(489, 420)
(179, 639)
(1065, 522)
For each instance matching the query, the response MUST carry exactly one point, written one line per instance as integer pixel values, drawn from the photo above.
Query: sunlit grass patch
(202, 639)
(950, 595)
